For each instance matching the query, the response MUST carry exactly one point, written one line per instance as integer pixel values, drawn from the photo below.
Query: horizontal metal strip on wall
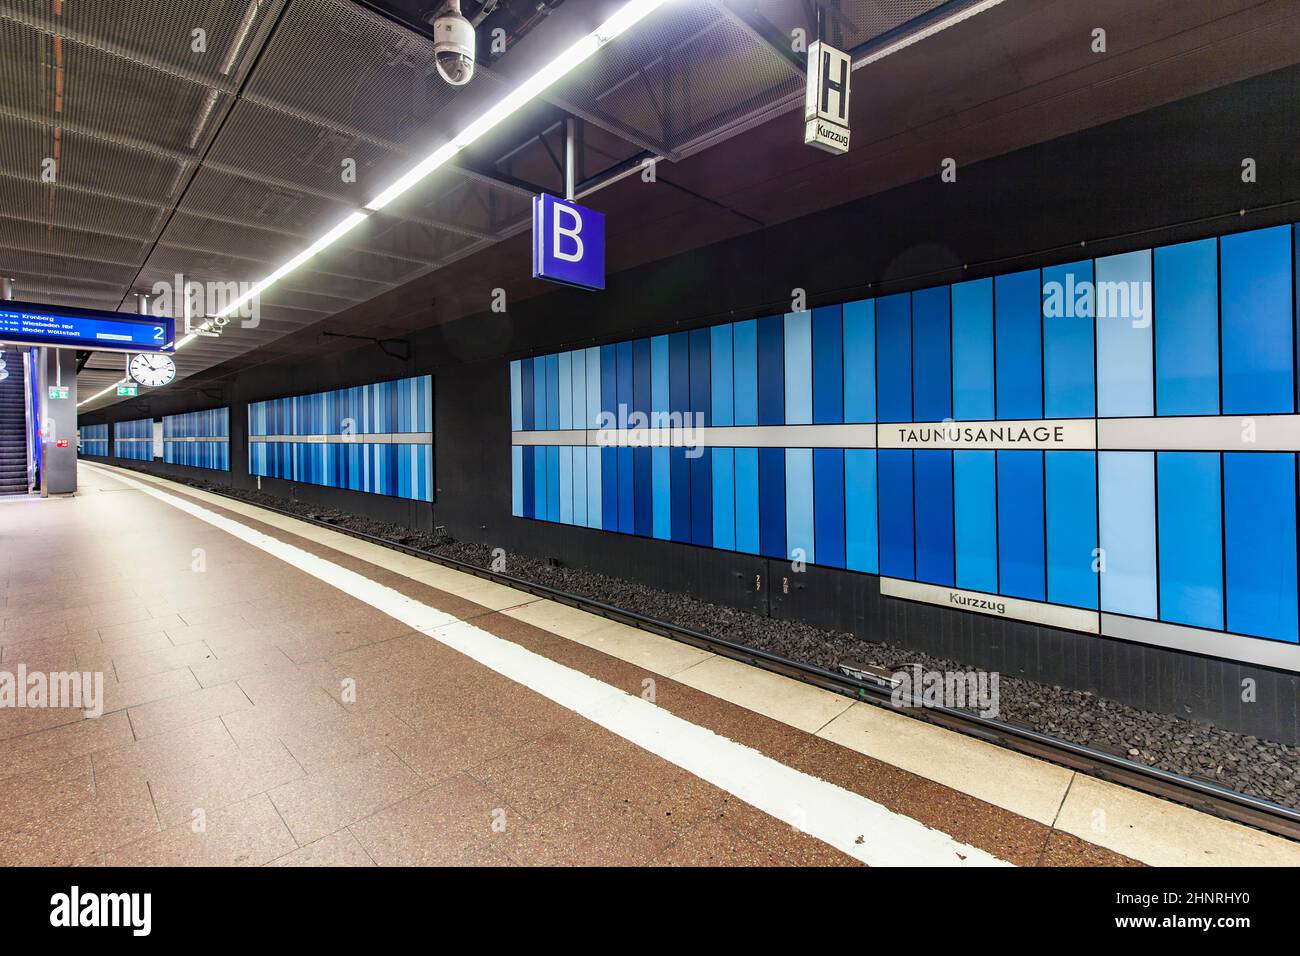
(1237, 647)
(1166, 433)
(193, 438)
(358, 438)
(996, 605)
(714, 436)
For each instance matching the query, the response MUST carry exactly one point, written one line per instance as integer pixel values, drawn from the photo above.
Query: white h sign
(826, 101)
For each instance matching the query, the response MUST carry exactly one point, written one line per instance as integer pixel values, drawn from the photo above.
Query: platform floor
(277, 693)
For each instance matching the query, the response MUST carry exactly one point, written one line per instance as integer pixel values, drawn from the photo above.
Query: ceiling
(222, 164)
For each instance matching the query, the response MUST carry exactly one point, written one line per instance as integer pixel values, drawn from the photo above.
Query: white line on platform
(830, 813)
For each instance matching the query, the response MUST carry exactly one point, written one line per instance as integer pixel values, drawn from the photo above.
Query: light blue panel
(593, 393)
(745, 365)
(975, 517)
(566, 482)
(1127, 502)
(566, 389)
(799, 493)
(593, 474)
(661, 480)
(1124, 340)
(579, 391)
(517, 481)
(659, 374)
(516, 396)
(720, 376)
(747, 499)
(539, 401)
(972, 351)
(798, 371)
(580, 470)
(860, 362)
(724, 498)
(860, 538)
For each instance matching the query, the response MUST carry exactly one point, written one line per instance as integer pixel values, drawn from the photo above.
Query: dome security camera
(453, 44)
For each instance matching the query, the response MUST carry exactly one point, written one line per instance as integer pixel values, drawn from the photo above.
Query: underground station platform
(654, 435)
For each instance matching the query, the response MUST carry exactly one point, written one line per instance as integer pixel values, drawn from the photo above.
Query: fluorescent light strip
(527, 91)
(110, 388)
(627, 17)
(929, 31)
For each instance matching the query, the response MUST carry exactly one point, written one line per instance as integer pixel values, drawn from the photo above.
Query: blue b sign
(568, 243)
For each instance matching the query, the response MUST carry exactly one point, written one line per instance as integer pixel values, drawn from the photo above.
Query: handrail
(27, 412)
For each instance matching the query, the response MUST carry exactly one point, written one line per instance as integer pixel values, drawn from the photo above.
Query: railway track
(1201, 795)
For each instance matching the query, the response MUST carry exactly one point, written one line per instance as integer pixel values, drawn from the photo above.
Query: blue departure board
(85, 328)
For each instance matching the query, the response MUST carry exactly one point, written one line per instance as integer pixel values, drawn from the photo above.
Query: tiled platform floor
(254, 714)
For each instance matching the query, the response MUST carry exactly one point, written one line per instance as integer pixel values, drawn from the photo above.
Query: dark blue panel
(771, 498)
(1190, 520)
(701, 377)
(641, 376)
(626, 503)
(1018, 331)
(934, 531)
(931, 362)
(609, 384)
(1021, 553)
(679, 467)
(609, 488)
(643, 490)
(526, 395)
(894, 490)
(552, 394)
(771, 374)
(679, 375)
(894, 358)
(828, 371)
(702, 498)
(1258, 352)
(623, 362)
(1259, 517)
(828, 502)
(552, 482)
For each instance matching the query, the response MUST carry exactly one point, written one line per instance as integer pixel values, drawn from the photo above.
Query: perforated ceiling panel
(141, 139)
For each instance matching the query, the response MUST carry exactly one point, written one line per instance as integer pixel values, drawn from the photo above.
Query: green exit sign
(127, 391)
(57, 392)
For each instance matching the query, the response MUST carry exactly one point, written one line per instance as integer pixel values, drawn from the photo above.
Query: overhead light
(110, 388)
(628, 16)
(943, 23)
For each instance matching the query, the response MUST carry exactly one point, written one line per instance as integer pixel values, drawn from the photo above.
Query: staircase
(13, 425)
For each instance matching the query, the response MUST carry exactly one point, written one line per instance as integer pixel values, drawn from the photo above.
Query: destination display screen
(84, 328)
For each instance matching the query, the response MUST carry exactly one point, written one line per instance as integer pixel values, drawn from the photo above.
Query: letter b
(559, 233)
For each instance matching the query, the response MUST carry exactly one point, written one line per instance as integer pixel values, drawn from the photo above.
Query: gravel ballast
(1247, 764)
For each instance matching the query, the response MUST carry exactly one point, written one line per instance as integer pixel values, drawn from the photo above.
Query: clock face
(152, 370)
